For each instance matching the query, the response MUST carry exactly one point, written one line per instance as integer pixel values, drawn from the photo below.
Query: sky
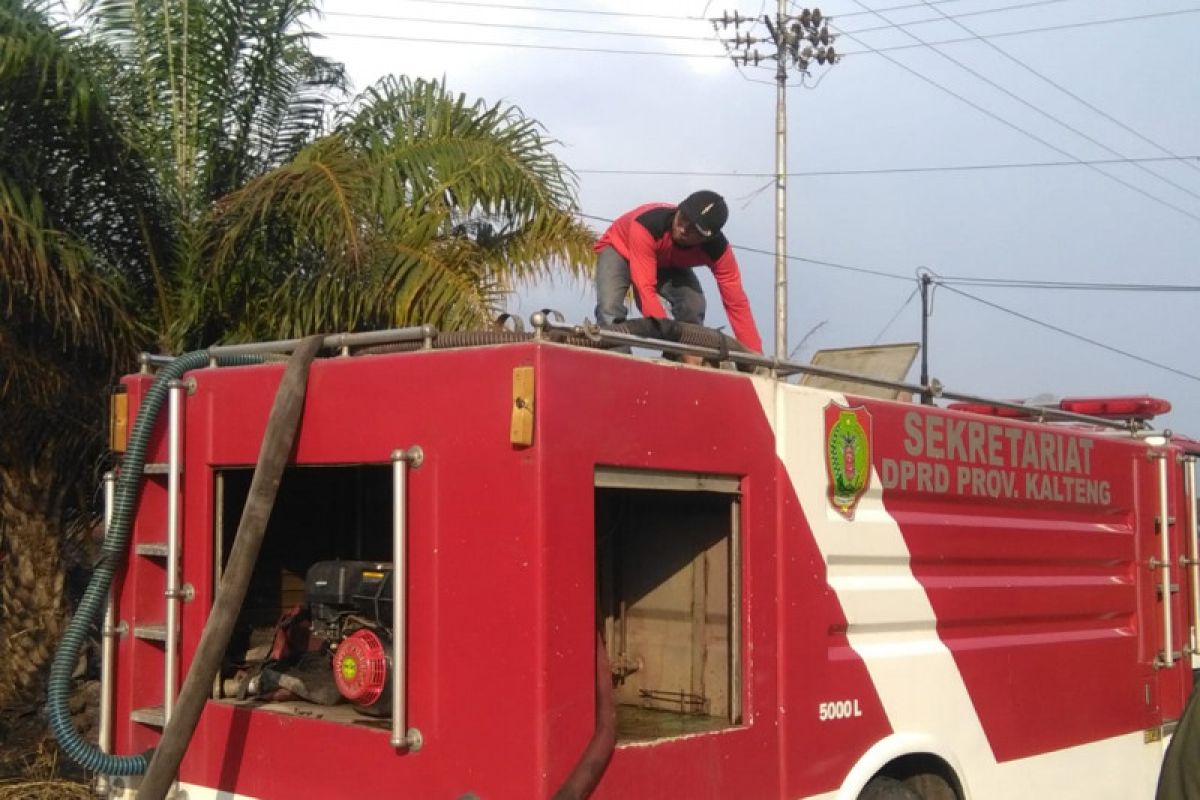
(900, 157)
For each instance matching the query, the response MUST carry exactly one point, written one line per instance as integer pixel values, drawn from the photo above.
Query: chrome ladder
(163, 631)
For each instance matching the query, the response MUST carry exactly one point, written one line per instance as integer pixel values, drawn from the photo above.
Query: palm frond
(52, 279)
(225, 89)
(496, 158)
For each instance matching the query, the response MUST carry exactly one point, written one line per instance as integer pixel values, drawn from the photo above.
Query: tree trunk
(32, 602)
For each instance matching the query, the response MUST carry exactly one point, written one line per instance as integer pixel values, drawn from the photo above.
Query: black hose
(277, 444)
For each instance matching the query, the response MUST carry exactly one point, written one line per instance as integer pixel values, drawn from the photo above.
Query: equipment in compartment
(351, 607)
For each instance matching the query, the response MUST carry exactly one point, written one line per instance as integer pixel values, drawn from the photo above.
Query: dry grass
(40, 778)
(53, 789)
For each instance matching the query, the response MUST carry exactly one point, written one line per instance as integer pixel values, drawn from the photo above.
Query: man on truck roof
(653, 249)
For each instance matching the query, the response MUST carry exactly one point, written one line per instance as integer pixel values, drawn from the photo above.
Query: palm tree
(211, 94)
(74, 198)
(419, 206)
(175, 173)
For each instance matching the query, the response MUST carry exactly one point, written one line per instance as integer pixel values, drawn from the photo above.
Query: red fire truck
(798, 593)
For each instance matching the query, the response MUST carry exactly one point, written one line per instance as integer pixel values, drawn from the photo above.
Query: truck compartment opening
(330, 525)
(668, 600)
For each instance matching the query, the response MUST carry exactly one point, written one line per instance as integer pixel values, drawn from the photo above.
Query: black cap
(706, 210)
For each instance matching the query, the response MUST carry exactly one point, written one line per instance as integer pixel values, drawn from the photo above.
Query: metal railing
(545, 321)
(336, 341)
(783, 368)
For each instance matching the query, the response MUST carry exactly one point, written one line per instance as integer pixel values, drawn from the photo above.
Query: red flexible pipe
(591, 765)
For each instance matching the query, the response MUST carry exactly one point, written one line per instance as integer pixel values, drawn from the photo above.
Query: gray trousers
(677, 286)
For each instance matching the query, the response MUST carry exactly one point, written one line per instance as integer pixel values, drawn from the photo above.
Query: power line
(633, 14)
(943, 282)
(1075, 97)
(896, 316)
(634, 34)
(1073, 335)
(1016, 283)
(818, 262)
(1061, 27)
(546, 9)
(795, 5)
(614, 51)
(999, 35)
(1032, 106)
(887, 170)
(830, 264)
(889, 8)
(514, 26)
(524, 46)
(931, 20)
(1013, 125)
(952, 280)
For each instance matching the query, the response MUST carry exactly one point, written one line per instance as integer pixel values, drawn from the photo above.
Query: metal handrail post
(402, 735)
(172, 594)
(1164, 529)
(1189, 485)
(108, 634)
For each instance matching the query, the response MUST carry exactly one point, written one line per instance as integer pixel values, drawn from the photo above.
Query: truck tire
(931, 786)
(885, 788)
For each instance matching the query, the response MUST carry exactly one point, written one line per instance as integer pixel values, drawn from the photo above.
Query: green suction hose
(112, 554)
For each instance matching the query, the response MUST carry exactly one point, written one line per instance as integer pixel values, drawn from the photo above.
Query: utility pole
(798, 39)
(781, 337)
(924, 279)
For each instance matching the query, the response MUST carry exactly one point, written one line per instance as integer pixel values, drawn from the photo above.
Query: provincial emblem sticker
(847, 455)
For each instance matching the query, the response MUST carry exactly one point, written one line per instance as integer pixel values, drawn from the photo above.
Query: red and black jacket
(643, 237)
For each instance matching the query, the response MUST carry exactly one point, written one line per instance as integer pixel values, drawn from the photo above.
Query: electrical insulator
(806, 53)
(821, 56)
(824, 37)
(771, 29)
(805, 16)
(816, 16)
(831, 55)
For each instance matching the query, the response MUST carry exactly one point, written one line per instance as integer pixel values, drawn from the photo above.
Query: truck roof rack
(1124, 413)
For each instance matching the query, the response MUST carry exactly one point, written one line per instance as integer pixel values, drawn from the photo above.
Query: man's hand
(667, 329)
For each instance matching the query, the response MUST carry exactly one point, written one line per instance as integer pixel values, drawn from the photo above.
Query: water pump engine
(351, 607)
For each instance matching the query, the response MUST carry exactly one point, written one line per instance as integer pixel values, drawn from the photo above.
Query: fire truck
(484, 555)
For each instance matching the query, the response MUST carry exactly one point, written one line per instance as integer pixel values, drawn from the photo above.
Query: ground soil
(31, 764)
